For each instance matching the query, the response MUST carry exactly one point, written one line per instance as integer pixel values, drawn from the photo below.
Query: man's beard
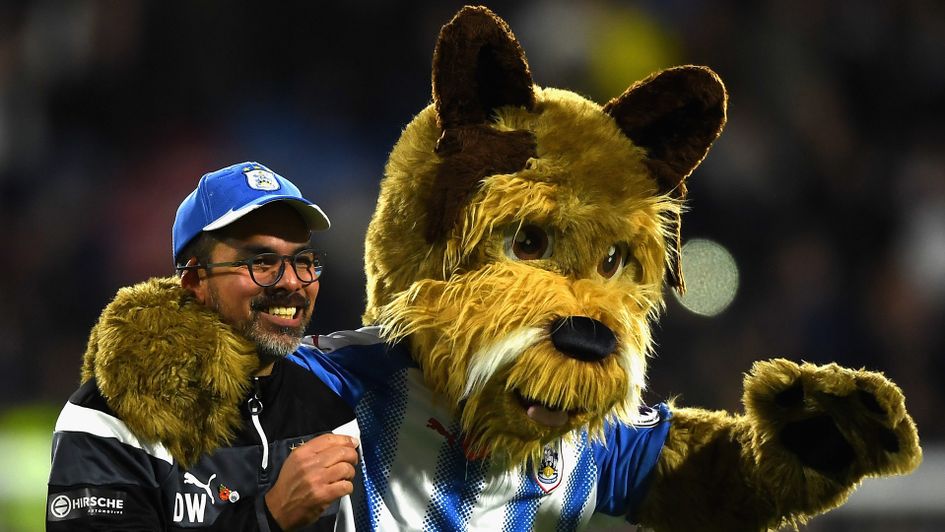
(270, 344)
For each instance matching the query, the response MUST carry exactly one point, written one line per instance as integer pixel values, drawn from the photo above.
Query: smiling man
(243, 277)
(189, 416)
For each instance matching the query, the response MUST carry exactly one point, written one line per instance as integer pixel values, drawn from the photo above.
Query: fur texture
(748, 472)
(456, 296)
(508, 211)
(484, 163)
(169, 368)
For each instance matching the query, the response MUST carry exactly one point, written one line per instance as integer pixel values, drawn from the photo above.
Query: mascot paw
(842, 423)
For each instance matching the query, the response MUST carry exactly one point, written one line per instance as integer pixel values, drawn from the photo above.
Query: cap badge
(259, 179)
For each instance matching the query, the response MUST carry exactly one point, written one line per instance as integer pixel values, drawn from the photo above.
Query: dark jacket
(161, 435)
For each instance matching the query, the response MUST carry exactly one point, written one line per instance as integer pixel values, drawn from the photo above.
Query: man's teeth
(282, 312)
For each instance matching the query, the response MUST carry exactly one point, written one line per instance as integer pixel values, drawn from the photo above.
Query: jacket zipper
(255, 408)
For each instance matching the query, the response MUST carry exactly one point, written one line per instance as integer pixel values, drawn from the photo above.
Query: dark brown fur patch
(469, 154)
(676, 115)
(478, 65)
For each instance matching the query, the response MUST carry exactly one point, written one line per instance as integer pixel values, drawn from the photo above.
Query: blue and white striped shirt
(415, 475)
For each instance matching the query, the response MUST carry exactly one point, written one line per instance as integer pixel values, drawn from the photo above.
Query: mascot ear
(478, 66)
(675, 115)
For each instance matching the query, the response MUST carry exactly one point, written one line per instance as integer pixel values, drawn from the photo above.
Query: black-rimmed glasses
(266, 269)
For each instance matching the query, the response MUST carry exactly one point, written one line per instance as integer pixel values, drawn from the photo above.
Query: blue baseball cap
(228, 194)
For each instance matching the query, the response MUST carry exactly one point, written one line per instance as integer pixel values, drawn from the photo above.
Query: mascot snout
(583, 338)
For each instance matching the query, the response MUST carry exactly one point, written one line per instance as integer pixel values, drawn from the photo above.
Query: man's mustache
(264, 302)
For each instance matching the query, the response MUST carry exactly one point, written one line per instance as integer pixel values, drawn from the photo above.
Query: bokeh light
(711, 277)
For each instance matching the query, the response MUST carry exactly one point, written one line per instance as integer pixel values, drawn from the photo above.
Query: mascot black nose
(582, 338)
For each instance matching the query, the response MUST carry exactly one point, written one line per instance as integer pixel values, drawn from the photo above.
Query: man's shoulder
(88, 395)
(87, 415)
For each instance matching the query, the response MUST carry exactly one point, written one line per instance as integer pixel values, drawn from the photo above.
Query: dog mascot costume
(515, 264)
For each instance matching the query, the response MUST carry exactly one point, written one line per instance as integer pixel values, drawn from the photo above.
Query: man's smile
(280, 310)
(282, 316)
(283, 312)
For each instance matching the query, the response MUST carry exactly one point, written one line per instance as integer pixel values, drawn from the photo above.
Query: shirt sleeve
(334, 375)
(626, 460)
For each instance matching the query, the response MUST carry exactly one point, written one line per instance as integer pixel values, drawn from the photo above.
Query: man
(189, 416)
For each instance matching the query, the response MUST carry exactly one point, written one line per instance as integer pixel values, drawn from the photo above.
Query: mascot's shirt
(416, 476)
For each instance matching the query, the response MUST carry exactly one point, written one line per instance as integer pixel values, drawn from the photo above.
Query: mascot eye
(529, 242)
(614, 261)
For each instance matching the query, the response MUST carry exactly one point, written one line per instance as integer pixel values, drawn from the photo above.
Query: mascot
(515, 265)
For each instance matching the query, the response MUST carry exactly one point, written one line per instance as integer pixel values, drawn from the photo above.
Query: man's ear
(190, 280)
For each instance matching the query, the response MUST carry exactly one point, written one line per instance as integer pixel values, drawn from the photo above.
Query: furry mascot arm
(809, 435)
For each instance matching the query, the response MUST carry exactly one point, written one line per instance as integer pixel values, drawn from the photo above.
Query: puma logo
(190, 479)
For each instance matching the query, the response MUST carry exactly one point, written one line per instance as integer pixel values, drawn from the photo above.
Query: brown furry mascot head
(522, 236)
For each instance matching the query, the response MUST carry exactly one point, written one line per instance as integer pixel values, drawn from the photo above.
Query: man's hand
(314, 475)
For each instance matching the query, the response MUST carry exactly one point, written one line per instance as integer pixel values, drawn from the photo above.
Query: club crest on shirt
(261, 179)
(548, 471)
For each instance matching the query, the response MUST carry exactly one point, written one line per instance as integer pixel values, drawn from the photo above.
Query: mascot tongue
(547, 416)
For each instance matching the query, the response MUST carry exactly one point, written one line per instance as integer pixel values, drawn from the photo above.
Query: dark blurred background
(828, 185)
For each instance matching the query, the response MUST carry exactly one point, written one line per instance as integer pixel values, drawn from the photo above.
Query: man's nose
(289, 280)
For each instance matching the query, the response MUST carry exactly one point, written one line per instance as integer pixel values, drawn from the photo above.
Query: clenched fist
(314, 476)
